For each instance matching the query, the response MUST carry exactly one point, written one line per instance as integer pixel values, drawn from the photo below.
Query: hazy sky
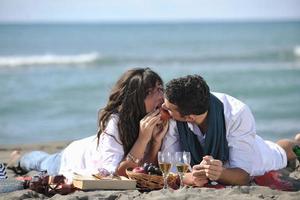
(146, 10)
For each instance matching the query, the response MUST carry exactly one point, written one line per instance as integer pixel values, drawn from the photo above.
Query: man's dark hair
(190, 94)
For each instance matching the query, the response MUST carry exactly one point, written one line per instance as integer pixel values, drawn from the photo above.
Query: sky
(146, 10)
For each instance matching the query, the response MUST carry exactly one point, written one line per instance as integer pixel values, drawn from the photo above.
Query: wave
(96, 59)
(297, 51)
(47, 59)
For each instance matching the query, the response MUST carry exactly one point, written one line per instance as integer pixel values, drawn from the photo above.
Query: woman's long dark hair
(127, 100)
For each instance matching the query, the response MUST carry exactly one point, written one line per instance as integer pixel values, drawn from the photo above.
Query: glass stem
(181, 180)
(165, 181)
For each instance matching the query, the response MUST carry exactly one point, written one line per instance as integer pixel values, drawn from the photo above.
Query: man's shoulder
(232, 105)
(226, 97)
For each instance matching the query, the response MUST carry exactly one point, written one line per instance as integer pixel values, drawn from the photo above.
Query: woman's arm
(156, 142)
(137, 153)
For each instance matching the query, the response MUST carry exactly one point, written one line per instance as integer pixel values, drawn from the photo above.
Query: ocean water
(55, 77)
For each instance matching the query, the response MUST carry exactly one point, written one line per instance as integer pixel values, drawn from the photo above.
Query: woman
(130, 132)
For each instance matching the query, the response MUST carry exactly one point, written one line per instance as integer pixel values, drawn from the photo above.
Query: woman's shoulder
(112, 122)
(111, 128)
(114, 117)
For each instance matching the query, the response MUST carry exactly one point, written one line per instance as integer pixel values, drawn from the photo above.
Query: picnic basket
(152, 182)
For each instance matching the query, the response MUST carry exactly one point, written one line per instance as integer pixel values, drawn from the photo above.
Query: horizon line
(186, 21)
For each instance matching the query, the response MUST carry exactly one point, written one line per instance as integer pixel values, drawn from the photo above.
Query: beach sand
(230, 192)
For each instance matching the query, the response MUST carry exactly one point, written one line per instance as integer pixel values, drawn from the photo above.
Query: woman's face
(154, 98)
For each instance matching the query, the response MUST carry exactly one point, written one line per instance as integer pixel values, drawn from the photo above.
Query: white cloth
(247, 150)
(83, 156)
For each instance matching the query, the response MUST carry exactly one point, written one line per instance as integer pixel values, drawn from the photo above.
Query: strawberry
(164, 114)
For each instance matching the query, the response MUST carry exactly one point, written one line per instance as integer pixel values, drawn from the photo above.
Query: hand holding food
(164, 114)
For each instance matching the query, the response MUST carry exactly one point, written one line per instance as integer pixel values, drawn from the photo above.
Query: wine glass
(165, 162)
(182, 161)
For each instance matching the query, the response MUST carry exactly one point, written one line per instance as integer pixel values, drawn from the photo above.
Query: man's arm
(234, 176)
(213, 170)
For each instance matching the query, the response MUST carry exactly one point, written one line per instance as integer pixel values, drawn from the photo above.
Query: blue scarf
(215, 144)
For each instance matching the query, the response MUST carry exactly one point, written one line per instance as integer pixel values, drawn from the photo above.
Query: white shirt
(83, 156)
(247, 150)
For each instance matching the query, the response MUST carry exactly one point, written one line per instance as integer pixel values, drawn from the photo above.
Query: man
(220, 133)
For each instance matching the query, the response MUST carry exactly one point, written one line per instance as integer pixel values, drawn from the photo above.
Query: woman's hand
(148, 124)
(160, 131)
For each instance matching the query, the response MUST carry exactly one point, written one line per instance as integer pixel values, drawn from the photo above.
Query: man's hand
(199, 172)
(213, 168)
(189, 179)
(200, 182)
(209, 168)
(199, 175)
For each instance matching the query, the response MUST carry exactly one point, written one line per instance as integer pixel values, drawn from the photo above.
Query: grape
(152, 169)
(158, 171)
(146, 167)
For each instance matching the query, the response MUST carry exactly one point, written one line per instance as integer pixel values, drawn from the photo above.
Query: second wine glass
(182, 161)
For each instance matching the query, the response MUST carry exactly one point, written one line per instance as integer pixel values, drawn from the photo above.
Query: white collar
(196, 130)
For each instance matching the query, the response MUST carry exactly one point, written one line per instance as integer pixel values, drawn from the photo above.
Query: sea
(54, 78)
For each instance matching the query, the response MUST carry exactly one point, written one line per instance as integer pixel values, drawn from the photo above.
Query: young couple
(216, 128)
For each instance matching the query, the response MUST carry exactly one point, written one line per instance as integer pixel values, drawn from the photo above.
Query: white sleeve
(110, 145)
(171, 140)
(241, 140)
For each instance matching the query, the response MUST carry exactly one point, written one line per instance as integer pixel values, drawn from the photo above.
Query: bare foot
(297, 137)
(14, 158)
(14, 165)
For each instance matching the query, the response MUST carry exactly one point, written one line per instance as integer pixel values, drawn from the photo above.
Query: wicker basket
(152, 182)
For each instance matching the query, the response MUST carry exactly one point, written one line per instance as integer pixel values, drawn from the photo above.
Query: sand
(230, 192)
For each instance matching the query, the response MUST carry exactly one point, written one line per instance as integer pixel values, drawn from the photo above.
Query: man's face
(173, 111)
